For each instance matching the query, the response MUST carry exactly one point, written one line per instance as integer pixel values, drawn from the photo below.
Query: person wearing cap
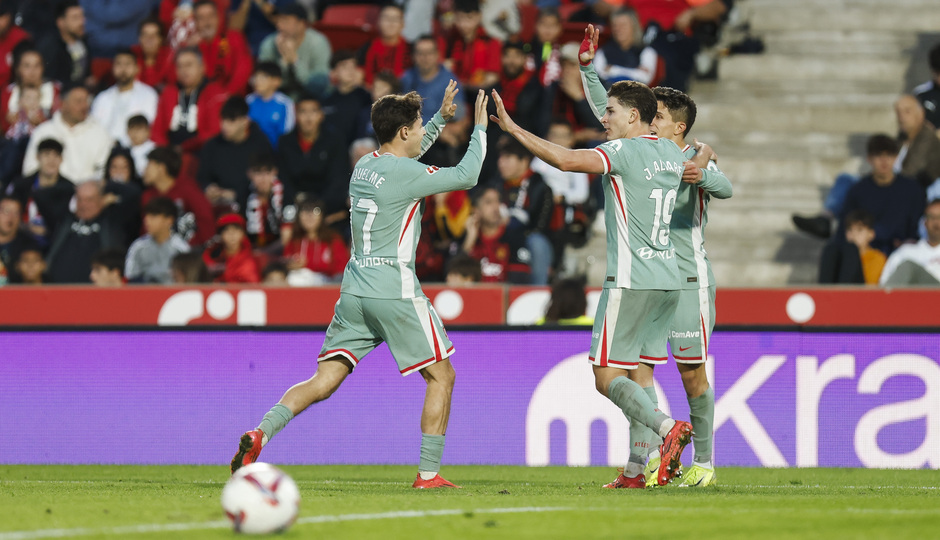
(10, 36)
(230, 258)
(302, 52)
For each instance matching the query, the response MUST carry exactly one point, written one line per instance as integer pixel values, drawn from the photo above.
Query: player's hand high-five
(480, 115)
(448, 107)
(501, 117)
(588, 45)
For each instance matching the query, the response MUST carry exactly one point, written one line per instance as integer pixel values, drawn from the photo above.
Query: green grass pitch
(495, 502)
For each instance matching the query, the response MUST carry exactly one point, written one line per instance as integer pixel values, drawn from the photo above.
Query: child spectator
(154, 56)
(567, 305)
(138, 133)
(28, 71)
(853, 260)
(189, 268)
(471, 54)
(463, 270)
(501, 251)
(275, 274)
(195, 223)
(389, 51)
(230, 259)
(123, 187)
(150, 256)
(13, 240)
(107, 268)
(545, 46)
(270, 109)
(269, 204)
(44, 196)
(315, 254)
(22, 124)
(348, 101)
(31, 267)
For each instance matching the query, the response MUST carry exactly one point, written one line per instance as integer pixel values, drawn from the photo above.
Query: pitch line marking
(175, 527)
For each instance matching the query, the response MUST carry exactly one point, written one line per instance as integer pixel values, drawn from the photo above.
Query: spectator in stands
(13, 240)
(853, 260)
(225, 53)
(316, 254)
(28, 73)
(16, 139)
(429, 77)
(44, 196)
(275, 274)
(154, 57)
(531, 203)
(625, 57)
(31, 267)
(271, 110)
(567, 305)
(566, 99)
(189, 268)
(230, 259)
(223, 162)
(107, 268)
(269, 205)
(500, 19)
(545, 47)
(302, 52)
(112, 26)
(388, 51)
(472, 55)
(140, 145)
(10, 36)
(65, 52)
(500, 249)
(150, 256)
(37, 17)
(91, 228)
(128, 97)
(917, 264)
(463, 270)
(254, 19)
(359, 148)
(348, 101)
(519, 87)
(598, 12)
(929, 93)
(188, 111)
(123, 187)
(312, 159)
(195, 221)
(86, 143)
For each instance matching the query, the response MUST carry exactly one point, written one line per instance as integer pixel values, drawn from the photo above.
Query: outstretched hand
(501, 117)
(480, 109)
(448, 107)
(588, 45)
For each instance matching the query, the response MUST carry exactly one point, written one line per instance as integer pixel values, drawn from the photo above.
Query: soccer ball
(260, 499)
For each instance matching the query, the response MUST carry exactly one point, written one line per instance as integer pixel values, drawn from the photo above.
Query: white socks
(666, 427)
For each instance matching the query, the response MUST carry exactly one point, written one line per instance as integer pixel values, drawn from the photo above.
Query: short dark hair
(859, 217)
(568, 300)
(167, 157)
(46, 145)
(514, 45)
(191, 266)
(234, 108)
(112, 259)
(465, 265)
(342, 55)
(307, 96)
(934, 58)
(549, 12)
(467, 6)
(7, 197)
(392, 112)
(189, 49)
(679, 104)
(271, 69)
(161, 206)
(426, 37)
(881, 144)
(124, 51)
(262, 161)
(390, 79)
(199, 3)
(509, 145)
(272, 267)
(138, 121)
(635, 95)
(62, 7)
(154, 21)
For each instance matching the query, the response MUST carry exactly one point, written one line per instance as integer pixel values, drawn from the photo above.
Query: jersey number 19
(663, 207)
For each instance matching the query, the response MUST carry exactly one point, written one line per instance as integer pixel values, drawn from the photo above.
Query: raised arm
(593, 88)
(434, 127)
(565, 159)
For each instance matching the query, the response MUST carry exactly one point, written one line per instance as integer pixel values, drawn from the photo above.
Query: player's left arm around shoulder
(715, 183)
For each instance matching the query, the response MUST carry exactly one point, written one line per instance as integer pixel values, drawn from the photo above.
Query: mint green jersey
(386, 194)
(641, 182)
(689, 220)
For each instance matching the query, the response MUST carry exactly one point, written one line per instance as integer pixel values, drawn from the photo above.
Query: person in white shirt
(917, 264)
(87, 144)
(567, 187)
(128, 97)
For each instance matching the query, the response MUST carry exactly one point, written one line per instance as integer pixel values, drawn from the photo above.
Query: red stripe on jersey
(704, 336)
(376, 153)
(606, 159)
(619, 202)
(408, 223)
(437, 347)
(650, 137)
(686, 148)
(603, 359)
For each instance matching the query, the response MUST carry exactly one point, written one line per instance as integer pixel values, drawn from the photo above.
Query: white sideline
(174, 527)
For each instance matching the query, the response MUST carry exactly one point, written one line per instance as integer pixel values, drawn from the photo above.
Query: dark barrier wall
(522, 397)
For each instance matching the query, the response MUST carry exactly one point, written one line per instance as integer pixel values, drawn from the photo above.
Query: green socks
(274, 421)
(642, 438)
(702, 413)
(432, 449)
(636, 404)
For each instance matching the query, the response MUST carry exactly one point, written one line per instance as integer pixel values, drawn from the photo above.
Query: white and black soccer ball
(260, 499)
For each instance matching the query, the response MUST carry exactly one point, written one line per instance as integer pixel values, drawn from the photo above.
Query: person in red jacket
(226, 53)
(194, 221)
(10, 36)
(231, 258)
(154, 56)
(178, 122)
(315, 246)
(389, 51)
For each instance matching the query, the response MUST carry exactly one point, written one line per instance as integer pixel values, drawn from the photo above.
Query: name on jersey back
(361, 174)
(660, 166)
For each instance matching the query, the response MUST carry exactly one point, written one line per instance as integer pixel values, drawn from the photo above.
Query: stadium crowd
(187, 141)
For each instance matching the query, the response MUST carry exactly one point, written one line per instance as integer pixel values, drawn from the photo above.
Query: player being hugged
(381, 299)
(642, 174)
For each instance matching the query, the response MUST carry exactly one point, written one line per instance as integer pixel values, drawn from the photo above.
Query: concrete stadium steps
(775, 66)
(792, 90)
(824, 15)
(877, 45)
(809, 118)
(775, 145)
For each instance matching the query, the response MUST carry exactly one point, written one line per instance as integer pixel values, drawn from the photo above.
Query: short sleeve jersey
(386, 193)
(643, 176)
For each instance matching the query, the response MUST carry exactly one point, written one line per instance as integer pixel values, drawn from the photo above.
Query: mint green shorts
(632, 326)
(692, 328)
(412, 329)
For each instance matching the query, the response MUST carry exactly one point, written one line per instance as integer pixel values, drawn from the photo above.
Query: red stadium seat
(567, 10)
(528, 16)
(362, 16)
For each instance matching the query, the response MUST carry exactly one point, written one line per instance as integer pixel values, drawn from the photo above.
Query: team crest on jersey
(432, 169)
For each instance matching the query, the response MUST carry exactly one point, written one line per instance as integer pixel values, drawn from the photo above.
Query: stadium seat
(363, 16)
(567, 10)
(528, 16)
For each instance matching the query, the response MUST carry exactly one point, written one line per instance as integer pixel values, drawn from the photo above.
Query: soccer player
(641, 291)
(695, 315)
(381, 299)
